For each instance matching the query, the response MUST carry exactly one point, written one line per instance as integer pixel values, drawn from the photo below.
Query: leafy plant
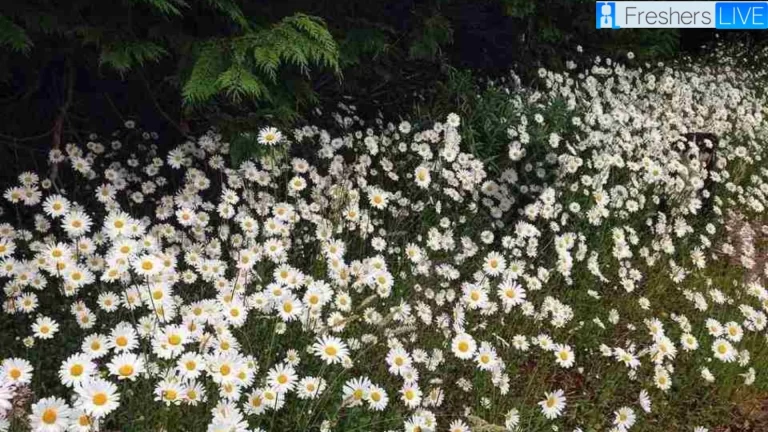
(244, 66)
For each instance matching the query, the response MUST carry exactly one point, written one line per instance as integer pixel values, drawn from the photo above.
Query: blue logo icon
(605, 15)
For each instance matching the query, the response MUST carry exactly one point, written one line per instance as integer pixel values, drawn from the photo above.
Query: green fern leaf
(167, 7)
(125, 55)
(202, 82)
(13, 36)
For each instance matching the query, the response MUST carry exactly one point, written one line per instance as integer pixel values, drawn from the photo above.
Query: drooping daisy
(645, 401)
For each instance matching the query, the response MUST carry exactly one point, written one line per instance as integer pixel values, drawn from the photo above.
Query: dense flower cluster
(392, 271)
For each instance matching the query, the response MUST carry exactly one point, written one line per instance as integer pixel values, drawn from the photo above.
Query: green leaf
(237, 82)
(230, 9)
(167, 7)
(202, 82)
(361, 42)
(123, 56)
(13, 36)
(436, 33)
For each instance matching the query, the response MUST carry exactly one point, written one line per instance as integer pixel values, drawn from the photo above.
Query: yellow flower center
(49, 416)
(126, 370)
(99, 399)
(76, 370)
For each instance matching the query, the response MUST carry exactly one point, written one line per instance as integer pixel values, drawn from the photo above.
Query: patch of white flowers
(393, 271)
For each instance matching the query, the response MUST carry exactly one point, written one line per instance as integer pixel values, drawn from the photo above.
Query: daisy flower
(723, 350)
(269, 136)
(44, 328)
(624, 418)
(282, 378)
(50, 414)
(463, 346)
(16, 370)
(553, 404)
(377, 398)
(564, 356)
(126, 366)
(98, 397)
(330, 349)
(76, 369)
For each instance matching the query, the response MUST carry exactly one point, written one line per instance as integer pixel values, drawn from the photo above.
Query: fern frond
(267, 60)
(231, 10)
(167, 7)
(13, 36)
(125, 55)
(238, 82)
(202, 82)
(240, 66)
